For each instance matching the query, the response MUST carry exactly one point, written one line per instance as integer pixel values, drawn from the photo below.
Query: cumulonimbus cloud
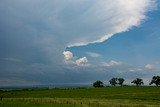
(55, 25)
(39, 31)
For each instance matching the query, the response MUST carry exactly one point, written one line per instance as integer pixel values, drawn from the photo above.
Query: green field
(128, 96)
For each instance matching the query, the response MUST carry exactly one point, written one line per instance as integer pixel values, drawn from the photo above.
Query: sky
(45, 42)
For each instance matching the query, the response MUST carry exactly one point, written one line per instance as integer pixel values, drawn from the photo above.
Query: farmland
(127, 96)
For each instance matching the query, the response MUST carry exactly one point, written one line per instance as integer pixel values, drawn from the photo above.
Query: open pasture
(129, 96)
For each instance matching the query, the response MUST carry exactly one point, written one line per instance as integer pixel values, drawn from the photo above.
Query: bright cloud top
(113, 17)
(110, 17)
(73, 60)
(82, 61)
(68, 55)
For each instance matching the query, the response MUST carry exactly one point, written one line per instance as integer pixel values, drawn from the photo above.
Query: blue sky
(140, 45)
(59, 41)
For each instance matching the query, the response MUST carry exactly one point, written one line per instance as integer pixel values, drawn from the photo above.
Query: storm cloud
(35, 34)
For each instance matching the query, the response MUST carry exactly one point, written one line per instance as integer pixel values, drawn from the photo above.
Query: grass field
(129, 96)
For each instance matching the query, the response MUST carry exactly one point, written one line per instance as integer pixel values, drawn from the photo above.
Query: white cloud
(82, 61)
(101, 39)
(12, 59)
(73, 60)
(135, 69)
(113, 17)
(93, 54)
(68, 55)
(112, 63)
(149, 66)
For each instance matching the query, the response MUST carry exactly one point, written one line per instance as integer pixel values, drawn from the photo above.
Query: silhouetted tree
(113, 81)
(120, 81)
(137, 81)
(98, 84)
(155, 80)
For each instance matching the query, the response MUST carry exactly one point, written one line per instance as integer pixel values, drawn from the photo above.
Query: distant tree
(137, 81)
(113, 81)
(155, 80)
(120, 81)
(98, 84)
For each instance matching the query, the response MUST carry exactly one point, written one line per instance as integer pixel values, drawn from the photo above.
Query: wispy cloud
(11, 59)
(93, 54)
(149, 66)
(115, 17)
(112, 63)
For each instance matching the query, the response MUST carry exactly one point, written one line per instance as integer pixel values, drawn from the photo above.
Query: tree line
(120, 81)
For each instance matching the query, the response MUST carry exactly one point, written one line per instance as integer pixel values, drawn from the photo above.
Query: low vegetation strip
(84, 102)
(127, 96)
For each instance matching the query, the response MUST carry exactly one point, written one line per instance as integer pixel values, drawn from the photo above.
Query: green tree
(155, 80)
(120, 81)
(113, 81)
(137, 81)
(98, 84)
